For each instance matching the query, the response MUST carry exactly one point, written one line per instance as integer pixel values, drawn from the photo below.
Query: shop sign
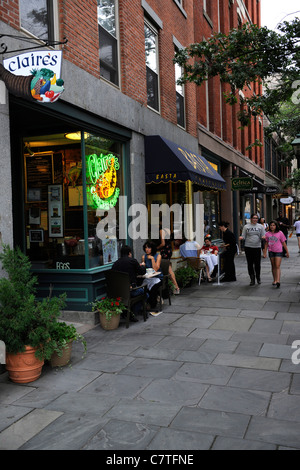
(103, 192)
(287, 200)
(42, 68)
(272, 190)
(241, 184)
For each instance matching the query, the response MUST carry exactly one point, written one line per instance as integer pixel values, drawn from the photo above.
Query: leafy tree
(247, 55)
(250, 55)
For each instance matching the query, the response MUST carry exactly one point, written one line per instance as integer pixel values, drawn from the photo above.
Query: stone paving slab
(184, 440)
(211, 422)
(234, 400)
(264, 380)
(122, 435)
(23, 430)
(68, 432)
(238, 360)
(274, 431)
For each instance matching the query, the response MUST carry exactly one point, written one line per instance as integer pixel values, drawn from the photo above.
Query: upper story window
(108, 42)
(36, 16)
(151, 51)
(179, 97)
(207, 7)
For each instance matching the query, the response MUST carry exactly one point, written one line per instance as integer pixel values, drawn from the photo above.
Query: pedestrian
(275, 241)
(253, 234)
(284, 225)
(165, 250)
(229, 253)
(297, 227)
(263, 222)
(130, 265)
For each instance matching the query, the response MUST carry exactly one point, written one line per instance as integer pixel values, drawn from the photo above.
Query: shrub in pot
(62, 337)
(25, 322)
(185, 276)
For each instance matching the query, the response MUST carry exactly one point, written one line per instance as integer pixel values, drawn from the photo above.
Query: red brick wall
(9, 12)
(133, 55)
(78, 22)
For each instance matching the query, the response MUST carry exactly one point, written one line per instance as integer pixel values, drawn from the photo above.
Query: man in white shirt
(297, 227)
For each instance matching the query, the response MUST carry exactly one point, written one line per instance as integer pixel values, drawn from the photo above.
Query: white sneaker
(176, 291)
(155, 314)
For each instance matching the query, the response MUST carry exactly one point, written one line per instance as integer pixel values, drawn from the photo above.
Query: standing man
(253, 234)
(297, 227)
(284, 226)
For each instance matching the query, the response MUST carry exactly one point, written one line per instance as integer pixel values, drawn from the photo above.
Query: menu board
(42, 170)
(55, 210)
(38, 177)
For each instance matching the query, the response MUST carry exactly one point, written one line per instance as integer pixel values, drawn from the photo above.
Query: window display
(65, 198)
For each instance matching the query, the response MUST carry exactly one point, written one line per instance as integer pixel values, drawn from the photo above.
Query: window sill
(180, 8)
(207, 18)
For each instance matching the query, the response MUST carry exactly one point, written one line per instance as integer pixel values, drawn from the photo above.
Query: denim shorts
(274, 254)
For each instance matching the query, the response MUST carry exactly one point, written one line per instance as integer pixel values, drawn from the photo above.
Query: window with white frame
(37, 17)
(207, 7)
(179, 97)
(108, 40)
(151, 51)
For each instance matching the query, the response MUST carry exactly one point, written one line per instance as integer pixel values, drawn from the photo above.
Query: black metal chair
(118, 285)
(164, 268)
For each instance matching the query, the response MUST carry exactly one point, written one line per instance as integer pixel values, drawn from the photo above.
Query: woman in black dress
(229, 253)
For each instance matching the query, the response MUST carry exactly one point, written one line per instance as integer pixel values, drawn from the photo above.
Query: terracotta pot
(111, 324)
(62, 360)
(24, 367)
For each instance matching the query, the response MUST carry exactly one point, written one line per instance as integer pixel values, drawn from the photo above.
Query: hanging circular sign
(287, 200)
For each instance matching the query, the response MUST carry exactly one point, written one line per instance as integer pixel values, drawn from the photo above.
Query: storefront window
(211, 216)
(104, 186)
(61, 213)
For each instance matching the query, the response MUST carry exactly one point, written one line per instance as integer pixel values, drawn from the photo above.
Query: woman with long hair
(275, 242)
(152, 259)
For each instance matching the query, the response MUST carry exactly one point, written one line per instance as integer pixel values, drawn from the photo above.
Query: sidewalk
(213, 371)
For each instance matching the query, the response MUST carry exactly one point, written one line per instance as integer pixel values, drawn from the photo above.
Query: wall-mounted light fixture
(76, 135)
(27, 149)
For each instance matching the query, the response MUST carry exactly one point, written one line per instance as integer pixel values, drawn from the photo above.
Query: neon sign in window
(103, 192)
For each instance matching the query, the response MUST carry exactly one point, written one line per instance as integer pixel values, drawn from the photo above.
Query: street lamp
(296, 145)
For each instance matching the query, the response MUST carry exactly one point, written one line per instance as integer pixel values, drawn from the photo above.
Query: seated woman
(152, 259)
(210, 252)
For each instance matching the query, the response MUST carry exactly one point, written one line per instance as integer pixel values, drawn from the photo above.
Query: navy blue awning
(168, 162)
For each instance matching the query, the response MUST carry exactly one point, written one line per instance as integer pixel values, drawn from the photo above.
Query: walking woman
(253, 234)
(229, 253)
(275, 241)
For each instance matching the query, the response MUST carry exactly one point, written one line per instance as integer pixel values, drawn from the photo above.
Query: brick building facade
(119, 88)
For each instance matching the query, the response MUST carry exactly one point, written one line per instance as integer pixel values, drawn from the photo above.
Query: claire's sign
(34, 75)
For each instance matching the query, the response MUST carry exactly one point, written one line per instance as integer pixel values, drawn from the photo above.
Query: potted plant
(109, 311)
(62, 337)
(25, 322)
(185, 276)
